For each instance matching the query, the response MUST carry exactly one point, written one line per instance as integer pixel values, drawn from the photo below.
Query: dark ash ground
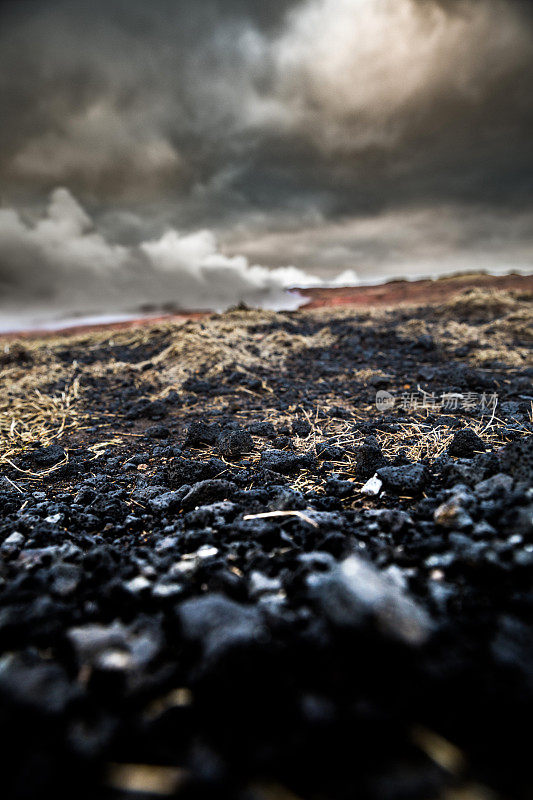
(164, 633)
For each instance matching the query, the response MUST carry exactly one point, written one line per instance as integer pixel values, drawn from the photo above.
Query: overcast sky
(382, 136)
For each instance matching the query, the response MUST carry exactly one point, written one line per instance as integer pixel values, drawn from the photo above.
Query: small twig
(268, 514)
(37, 475)
(13, 484)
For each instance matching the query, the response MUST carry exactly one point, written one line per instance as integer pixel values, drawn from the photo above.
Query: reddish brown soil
(402, 292)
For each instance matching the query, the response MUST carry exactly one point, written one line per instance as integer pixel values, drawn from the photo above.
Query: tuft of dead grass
(481, 305)
(496, 324)
(30, 414)
(240, 339)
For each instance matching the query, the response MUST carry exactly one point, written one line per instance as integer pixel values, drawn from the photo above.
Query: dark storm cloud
(344, 104)
(114, 97)
(323, 133)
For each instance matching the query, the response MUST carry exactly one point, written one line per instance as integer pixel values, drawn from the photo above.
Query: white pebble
(372, 486)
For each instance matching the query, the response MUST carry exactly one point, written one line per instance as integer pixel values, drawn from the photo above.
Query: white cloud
(61, 264)
(356, 73)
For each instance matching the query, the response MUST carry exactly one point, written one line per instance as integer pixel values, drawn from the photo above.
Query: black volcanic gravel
(465, 444)
(202, 607)
(234, 443)
(408, 479)
(369, 458)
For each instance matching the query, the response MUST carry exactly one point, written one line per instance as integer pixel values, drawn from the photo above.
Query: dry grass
(416, 439)
(28, 418)
(239, 338)
(480, 305)
(497, 325)
(29, 412)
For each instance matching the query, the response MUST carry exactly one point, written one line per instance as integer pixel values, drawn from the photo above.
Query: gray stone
(355, 592)
(408, 478)
(492, 487)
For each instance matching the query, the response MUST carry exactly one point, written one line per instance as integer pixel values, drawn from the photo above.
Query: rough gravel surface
(197, 599)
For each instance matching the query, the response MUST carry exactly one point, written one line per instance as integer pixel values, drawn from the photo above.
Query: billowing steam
(62, 263)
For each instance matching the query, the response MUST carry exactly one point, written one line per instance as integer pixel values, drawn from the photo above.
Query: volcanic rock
(369, 458)
(453, 513)
(157, 432)
(168, 501)
(408, 478)
(301, 427)
(283, 461)
(220, 624)
(340, 488)
(34, 683)
(466, 444)
(116, 647)
(330, 452)
(492, 487)
(263, 429)
(232, 444)
(199, 433)
(188, 471)
(155, 409)
(206, 492)
(355, 591)
(12, 543)
(516, 459)
(47, 456)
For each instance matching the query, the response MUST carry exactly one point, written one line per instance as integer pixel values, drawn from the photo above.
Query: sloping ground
(403, 292)
(389, 295)
(201, 596)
